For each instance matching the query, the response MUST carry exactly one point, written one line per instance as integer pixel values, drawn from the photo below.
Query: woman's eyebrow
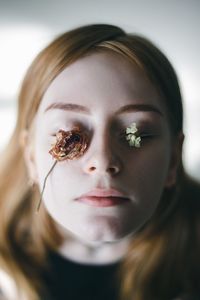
(139, 107)
(85, 110)
(69, 107)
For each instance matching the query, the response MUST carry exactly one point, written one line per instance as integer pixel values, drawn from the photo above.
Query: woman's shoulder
(8, 290)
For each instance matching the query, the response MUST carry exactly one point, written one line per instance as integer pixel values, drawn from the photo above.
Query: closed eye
(146, 135)
(138, 134)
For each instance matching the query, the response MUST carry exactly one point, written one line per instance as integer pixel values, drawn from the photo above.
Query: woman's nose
(103, 159)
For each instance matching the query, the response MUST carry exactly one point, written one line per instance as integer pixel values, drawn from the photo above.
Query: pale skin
(111, 93)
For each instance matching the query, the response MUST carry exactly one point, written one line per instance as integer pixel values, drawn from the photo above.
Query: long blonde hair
(161, 262)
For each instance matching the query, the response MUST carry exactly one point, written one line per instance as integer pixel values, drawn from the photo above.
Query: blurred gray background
(27, 26)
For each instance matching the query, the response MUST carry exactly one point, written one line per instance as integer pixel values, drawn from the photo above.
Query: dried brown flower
(69, 145)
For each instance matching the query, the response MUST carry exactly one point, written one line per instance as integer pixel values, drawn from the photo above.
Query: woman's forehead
(102, 79)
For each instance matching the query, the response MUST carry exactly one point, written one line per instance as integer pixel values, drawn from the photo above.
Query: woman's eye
(139, 137)
(69, 144)
(146, 135)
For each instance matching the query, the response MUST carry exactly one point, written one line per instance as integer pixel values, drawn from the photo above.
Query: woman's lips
(103, 201)
(103, 198)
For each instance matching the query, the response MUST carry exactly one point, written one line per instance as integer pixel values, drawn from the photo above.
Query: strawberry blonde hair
(163, 259)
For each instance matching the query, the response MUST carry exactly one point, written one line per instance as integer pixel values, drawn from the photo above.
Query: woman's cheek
(150, 166)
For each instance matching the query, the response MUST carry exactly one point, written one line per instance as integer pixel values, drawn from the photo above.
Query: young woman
(94, 200)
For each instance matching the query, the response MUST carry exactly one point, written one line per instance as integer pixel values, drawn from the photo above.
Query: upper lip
(104, 193)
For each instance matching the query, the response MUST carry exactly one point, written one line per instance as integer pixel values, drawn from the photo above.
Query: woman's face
(103, 94)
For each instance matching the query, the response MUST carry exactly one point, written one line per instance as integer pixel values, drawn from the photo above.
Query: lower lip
(103, 201)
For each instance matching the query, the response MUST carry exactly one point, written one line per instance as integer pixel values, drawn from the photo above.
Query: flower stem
(44, 184)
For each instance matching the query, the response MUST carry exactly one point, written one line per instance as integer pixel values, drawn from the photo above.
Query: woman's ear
(175, 160)
(28, 151)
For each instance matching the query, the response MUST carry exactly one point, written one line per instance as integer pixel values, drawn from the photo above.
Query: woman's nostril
(113, 170)
(92, 168)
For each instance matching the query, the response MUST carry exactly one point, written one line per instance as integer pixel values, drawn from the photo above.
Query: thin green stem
(44, 184)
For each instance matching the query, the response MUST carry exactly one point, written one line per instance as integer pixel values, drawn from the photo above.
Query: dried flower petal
(132, 129)
(134, 141)
(69, 144)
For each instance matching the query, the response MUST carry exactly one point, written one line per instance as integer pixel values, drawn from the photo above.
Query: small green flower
(132, 129)
(134, 141)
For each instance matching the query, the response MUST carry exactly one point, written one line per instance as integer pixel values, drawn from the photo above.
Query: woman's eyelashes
(136, 136)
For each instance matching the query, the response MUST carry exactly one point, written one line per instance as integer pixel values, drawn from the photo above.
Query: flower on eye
(69, 144)
(134, 141)
(132, 129)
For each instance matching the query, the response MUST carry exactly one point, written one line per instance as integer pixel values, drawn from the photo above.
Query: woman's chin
(101, 230)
